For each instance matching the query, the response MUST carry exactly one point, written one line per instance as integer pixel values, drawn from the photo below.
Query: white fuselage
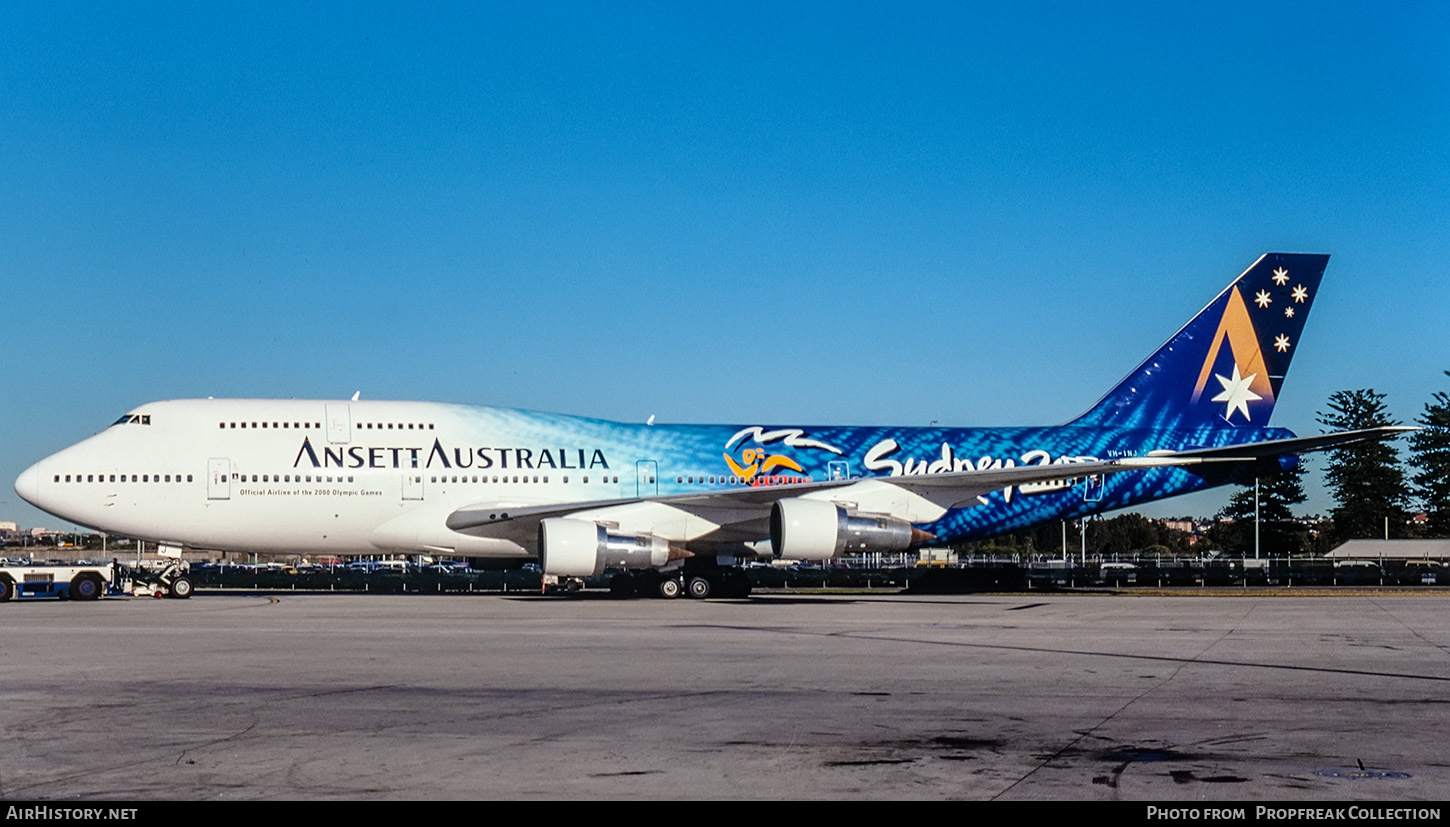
(309, 476)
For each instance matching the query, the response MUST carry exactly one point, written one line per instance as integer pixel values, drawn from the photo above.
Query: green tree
(1123, 534)
(1366, 479)
(1430, 450)
(1132, 533)
(1280, 534)
(1042, 540)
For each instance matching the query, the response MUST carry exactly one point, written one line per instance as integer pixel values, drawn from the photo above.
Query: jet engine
(580, 548)
(817, 530)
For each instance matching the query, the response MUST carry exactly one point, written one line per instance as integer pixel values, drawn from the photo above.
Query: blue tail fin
(1225, 367)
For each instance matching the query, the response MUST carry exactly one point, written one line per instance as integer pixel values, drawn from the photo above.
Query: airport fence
(969, 577)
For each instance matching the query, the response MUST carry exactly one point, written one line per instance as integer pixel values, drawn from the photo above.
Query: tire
(7, 587)
(671, 587)
(87, 586)
(180, 588)
(700, 587)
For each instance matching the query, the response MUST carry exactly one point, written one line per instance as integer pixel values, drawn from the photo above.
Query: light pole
(1256, 518)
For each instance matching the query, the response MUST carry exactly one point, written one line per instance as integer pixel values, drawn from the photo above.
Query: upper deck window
(134, 419)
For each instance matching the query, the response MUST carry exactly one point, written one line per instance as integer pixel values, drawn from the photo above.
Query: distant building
(1392, 550)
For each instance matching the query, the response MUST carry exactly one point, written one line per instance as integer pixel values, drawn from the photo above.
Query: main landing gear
(698, 583)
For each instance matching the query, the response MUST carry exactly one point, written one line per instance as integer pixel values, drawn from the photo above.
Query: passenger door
(218, 479)
(646, 478)
(412, 485)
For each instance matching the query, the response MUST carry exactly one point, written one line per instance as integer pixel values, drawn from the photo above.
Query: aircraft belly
(656, 518)
(877, 496)
(423, 529)
(744, 531)
(256, 524)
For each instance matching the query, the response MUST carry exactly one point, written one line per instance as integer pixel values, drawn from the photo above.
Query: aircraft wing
(963, 485)
(743, 514)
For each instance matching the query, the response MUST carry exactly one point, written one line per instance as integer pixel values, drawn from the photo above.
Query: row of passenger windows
(288, 478)
(766, 480)
(123, 478)
(278, 425)
(773, 480)
(242, 478)
(409, 426)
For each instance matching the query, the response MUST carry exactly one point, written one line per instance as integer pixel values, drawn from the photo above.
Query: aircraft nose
(27, 485)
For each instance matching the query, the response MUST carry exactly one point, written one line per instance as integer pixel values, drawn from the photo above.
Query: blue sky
(975, 213)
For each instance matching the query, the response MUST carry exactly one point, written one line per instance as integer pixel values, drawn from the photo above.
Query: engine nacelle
(580, 548)
(818, 530)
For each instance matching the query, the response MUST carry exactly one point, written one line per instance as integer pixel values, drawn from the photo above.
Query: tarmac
(829, 696)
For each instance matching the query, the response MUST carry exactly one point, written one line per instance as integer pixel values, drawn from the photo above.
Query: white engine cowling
(580, 548)
(818, 530)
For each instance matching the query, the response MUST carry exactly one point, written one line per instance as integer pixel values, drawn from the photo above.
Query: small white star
(1281, 343)
(1289, 312)
(1281, 277)
(1236, 393)
(1299, 293)
(1262, 299)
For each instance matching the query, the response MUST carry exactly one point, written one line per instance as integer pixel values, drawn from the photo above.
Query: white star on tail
(1236, 393)
(1281, 277)
(1300, 294)
(1281, 343)
(1262, 300)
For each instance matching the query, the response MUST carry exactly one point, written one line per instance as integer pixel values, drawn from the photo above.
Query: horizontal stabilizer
(1296, 445)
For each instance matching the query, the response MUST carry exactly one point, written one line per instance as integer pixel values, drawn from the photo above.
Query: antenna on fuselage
(355, 395)
(651, 420)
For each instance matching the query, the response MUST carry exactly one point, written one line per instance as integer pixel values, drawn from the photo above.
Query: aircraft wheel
(87, 586)
(180, 588)
(700, 588)
(671, 587)
(7, 588)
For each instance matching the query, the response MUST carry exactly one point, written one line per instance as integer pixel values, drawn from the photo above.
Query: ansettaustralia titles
(358, 456)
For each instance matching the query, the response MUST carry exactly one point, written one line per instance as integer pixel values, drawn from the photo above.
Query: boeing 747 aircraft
(671, 502)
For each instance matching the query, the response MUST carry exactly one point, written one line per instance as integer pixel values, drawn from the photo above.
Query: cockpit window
(134, 419)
